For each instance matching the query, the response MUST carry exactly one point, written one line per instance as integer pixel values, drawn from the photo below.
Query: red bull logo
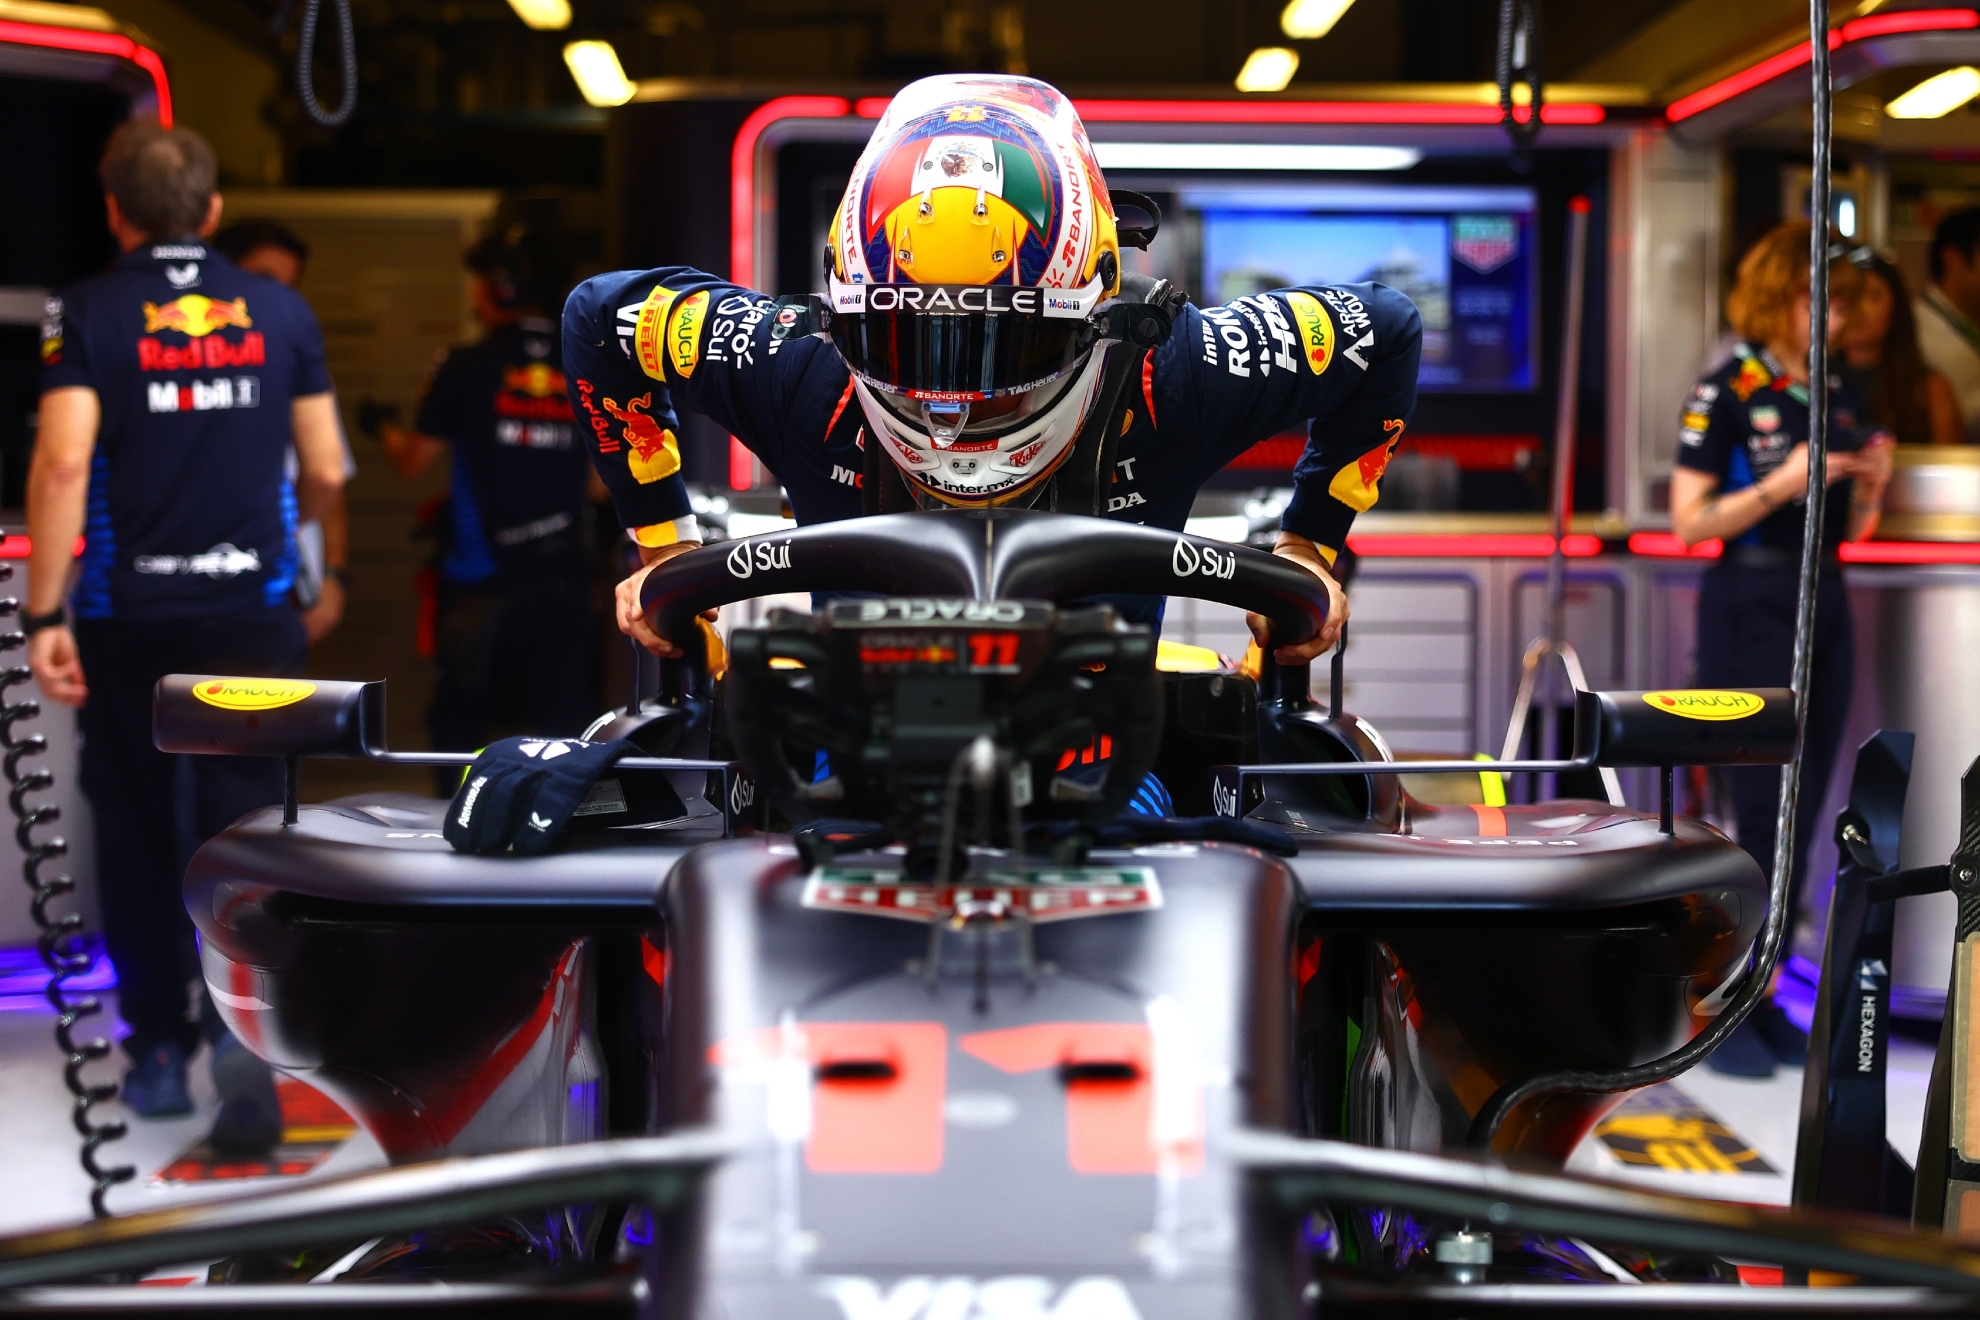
(534, 391)
(655, 452)
(538, 380)
(1358, 485)
(196, 315)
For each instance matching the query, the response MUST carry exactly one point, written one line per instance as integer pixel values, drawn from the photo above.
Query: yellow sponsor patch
(1706, 703)
(1696, 421)
(1316, 330)
(684, 332)
(650, 330)
(253, 693)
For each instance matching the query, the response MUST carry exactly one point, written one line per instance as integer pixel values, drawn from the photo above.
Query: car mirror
(212, 713)
(1137, 218)
(1685, 726)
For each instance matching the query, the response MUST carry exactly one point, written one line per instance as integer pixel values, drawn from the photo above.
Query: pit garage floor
(1704, 1135)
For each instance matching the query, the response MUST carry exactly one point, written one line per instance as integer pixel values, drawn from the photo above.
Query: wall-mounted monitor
(1464, 255)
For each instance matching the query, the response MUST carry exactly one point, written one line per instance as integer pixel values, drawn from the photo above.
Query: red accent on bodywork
(1108, 1123)
(1148, 385)
(401, 1132)
(861, 1125)
(888, 1125)
(653, 960)
(1309, 963)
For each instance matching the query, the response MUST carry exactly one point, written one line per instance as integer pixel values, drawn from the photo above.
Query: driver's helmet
(973, 244)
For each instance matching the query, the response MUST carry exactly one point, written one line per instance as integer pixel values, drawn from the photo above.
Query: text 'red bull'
(156, 355)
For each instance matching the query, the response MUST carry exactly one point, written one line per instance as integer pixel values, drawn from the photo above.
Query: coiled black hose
(60, 943)
(1760, 974)
(346, 61)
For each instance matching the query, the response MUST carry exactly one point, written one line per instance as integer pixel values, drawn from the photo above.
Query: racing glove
(520, 792)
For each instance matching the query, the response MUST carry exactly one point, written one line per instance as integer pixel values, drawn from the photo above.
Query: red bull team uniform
(188, 563)
(195, 364)
(515, 593)
(1339, 361)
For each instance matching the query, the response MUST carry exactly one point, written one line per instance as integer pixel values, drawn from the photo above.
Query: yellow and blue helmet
(974, 243)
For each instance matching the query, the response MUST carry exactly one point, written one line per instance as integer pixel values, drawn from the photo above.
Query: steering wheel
(993, 554)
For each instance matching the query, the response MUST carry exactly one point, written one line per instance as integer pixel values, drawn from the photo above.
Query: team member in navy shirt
(173, 387)
(1742, 477)
(515, 582)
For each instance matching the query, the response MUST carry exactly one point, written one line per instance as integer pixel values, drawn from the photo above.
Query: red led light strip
(1665, 545)
(1793, 58)
(19, 547)
(1908, 552)
(96, 43)
(1669, 545)
(1507, 545)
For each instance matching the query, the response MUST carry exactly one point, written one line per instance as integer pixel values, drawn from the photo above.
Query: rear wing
(293, 718)
(1665, 728)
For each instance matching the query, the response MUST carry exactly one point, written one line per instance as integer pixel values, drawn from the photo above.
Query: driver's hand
(632, 619)
(1306, 554)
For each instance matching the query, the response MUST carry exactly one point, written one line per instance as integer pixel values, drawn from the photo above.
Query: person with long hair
(1742, 478)
(1881, 359)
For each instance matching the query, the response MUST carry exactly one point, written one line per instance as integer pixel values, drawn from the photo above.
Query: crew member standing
(1949, 312)
(1742, 477)
(271, 248)
(515, 607)
(173, 387)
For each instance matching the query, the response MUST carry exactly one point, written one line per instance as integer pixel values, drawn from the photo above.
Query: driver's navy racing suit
(1339, 359)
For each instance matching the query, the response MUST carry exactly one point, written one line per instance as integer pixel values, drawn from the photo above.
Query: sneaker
(1788, 1042)
(250, 1119)
(1744, 1053)
(155, 1087)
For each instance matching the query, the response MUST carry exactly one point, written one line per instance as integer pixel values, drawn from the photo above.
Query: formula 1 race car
(860, 996)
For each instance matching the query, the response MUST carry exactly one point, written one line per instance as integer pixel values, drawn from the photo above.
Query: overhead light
(1309, 20)
(1267, 69)
(1941, 94)
(1250, 156)
(600, 76)
(543, 15)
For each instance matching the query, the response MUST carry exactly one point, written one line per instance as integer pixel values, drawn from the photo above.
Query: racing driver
(982, 345)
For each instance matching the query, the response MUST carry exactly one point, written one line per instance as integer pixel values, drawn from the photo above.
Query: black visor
(976, 354)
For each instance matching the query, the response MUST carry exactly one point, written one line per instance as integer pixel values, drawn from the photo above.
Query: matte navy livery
(1021, 1083)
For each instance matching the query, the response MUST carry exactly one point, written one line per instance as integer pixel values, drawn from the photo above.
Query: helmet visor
(972, 355)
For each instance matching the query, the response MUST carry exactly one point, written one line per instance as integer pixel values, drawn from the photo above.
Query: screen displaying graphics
(1463, 255)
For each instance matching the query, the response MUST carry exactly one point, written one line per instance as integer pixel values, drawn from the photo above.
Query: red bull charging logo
(196, 315)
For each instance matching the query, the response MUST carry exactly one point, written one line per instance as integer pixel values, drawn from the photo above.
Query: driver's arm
(627, 422)
(640, 344)
(1340, 360)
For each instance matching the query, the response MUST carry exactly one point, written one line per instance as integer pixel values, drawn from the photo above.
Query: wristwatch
(34, 623)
